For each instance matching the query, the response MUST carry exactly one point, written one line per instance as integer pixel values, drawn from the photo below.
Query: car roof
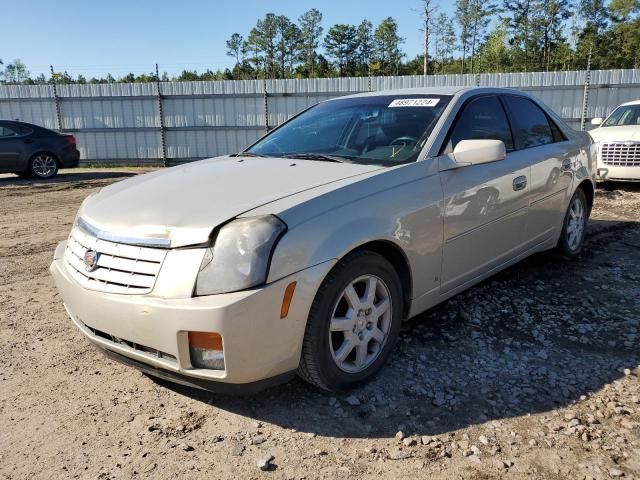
(633, 102)
(36, 128)
(435, 91)
(17, 122)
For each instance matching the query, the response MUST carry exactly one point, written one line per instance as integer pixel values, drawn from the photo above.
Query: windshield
(628, 115)
(386, 130)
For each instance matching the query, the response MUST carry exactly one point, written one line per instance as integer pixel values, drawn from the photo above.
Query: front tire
(574, 226)
(43, 166)
(353, 323)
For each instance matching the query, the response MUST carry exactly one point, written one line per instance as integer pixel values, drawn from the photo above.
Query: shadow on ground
(535, 337)
(64, 177)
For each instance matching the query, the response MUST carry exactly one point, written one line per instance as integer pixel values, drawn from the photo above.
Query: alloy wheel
(360, 323)
(575, 224)
(44, 166)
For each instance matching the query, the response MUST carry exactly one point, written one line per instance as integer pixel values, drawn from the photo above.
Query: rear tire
(353, 323)
(43, 166)
(575, 225)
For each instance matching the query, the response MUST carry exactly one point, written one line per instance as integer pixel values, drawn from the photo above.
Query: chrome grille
(620, 154)
(120, 268)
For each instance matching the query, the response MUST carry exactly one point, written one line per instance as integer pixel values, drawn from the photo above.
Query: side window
(482, 119)
(530, 124)
(6, 131)
(558, 136)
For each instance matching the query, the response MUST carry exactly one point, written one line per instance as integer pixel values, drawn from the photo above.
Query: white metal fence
(173, 122)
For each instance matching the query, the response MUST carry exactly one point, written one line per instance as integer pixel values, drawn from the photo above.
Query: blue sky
(95, 37)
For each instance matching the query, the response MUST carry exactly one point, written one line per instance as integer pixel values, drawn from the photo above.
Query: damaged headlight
(239, 256)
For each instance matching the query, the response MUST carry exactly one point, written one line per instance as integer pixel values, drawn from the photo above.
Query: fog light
(205, 350)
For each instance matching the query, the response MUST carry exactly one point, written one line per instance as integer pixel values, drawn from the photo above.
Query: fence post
(163, 142)
(585, 97)
(56, 99)
(265, 97)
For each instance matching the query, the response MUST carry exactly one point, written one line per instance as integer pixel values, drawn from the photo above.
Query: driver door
(485, 205)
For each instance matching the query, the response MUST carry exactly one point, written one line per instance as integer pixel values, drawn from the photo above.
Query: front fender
(407, 214)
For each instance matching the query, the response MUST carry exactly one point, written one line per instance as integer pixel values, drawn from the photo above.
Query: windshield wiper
(247, 154)
(317, 156)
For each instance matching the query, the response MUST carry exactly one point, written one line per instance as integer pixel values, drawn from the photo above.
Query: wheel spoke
(361, 354)
(345, 349)
(370, 293)
(381, 308)
(377, 335)
(341, 324)
(352, 297)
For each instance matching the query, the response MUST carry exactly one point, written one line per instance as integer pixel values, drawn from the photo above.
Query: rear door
(541, 144)
(11, 148)
(485, 205)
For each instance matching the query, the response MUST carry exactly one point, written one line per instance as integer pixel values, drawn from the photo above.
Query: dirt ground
(531, 374)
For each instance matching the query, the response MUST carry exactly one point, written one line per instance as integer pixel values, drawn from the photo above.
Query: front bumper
(152, 330)
(623, 174)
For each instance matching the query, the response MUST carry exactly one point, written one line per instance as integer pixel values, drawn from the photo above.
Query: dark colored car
(27, 149)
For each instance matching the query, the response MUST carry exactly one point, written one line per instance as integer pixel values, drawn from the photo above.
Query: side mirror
(476, 152)
(596, 122)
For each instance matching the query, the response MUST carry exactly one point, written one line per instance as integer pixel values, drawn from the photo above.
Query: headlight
(239, 256)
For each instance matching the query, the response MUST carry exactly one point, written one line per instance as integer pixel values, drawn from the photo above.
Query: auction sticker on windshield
(414, 102)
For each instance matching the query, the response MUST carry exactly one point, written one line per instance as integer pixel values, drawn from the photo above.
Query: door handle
(28, 140)
(566, 164)
(519, 183)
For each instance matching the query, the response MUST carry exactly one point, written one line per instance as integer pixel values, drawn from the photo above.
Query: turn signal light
(286, 300)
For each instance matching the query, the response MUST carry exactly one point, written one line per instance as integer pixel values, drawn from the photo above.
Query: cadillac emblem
(91, 260)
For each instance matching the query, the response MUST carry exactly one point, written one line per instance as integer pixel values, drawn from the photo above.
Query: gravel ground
(531, 374)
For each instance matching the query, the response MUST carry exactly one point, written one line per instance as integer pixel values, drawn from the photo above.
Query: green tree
(519, 14)
(594, 16)
(445, 41)
(480, 13)
(387, 46)
(288, 44)
(16, 72)
(341, 44)
(311, 33)
(463, 19)
(493, 54)
(553, 15)
(234, 47)
(264, 40)
(40, 80)
(364, 49)
(253, 47)
(619, 10)
(619, 45)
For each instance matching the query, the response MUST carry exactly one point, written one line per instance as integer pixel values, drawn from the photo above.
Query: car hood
(629, 132)
(183, 204)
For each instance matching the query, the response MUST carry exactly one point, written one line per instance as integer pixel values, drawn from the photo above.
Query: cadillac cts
(305, 252)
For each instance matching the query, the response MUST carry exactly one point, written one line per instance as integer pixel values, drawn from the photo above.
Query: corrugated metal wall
(120, 123)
